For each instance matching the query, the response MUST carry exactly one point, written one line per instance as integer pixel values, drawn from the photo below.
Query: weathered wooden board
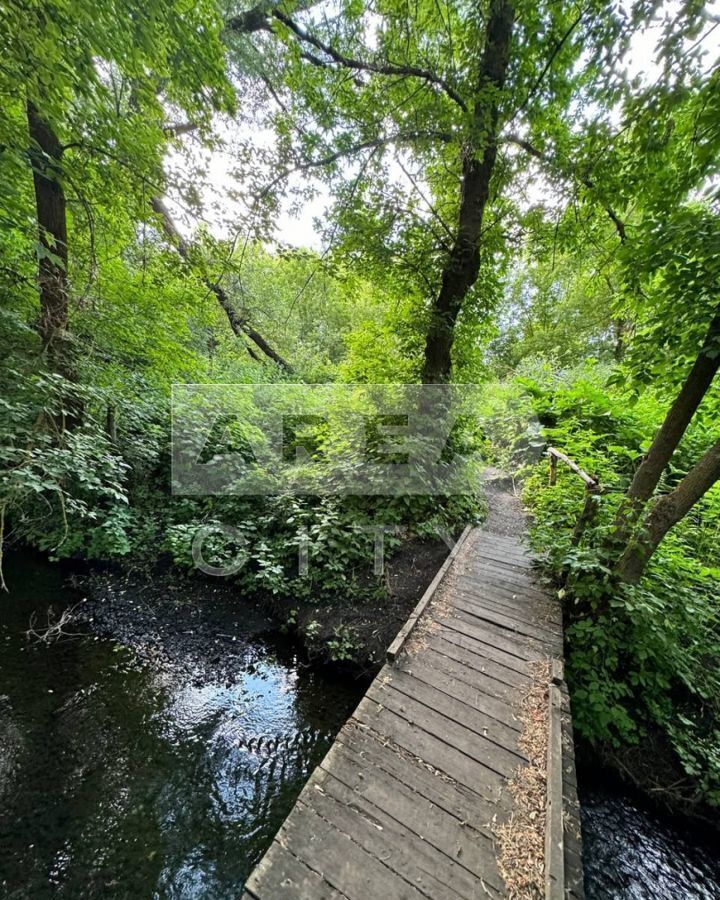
(407, 801)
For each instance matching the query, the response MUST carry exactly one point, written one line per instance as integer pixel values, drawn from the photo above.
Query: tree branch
(239, 325)
(546, 68)
(436, 214)
(258, 19)
(403, 137)
(666, 513)
(583, 179)
(175, 129)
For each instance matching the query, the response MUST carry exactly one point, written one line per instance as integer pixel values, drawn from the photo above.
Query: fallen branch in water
(55, 628)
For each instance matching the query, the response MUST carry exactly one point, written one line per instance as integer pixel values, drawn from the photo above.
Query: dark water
(632, 853)
(118, 781)
(122, 781)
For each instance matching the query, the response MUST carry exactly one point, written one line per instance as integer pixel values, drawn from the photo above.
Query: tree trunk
(111, 423)
(240, 327)
(620, 327)
(463, 264)
(666, 513)
(45, 157)
(676, 422)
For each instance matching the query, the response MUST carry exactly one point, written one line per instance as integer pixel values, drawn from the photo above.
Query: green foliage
(642, 656)
(391, 145)
(335, 534)
(65, 495)
(612, 257)
(343, 645)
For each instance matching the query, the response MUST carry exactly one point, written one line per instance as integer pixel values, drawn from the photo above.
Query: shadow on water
(631, 851)
(120, 781)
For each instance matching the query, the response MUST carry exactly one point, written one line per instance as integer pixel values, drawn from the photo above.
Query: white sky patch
(224, 202)
(221, 196)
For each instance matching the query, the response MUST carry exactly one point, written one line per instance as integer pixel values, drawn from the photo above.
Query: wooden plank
(517, 635)
(505, 618)
(280, 875)
(505, 542)
(482, 644)
(501, 762)
(574, 873)
(484, 572)
(506, 556)
(439, 703)
(407, 771)
(554, 829)
(482, 575)
(519, 606)
(343, 862)
(526, 586)
(516, 610)
(458, 682)
(405, 631)
(431, 748)
(455, 836)
(495, 559)
(491, 548)
(501, 678)
(400, 851)
(413, 856)
(515, 645)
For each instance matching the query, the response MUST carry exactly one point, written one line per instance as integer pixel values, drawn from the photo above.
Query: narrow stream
(631, 852)
(119, 780)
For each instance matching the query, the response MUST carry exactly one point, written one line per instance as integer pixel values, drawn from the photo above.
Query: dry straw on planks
(521, 840)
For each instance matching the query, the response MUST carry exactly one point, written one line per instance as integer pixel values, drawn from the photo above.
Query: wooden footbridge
(455, 777)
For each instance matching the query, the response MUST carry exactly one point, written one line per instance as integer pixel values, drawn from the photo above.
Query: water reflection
(118, 781)
(631, 853)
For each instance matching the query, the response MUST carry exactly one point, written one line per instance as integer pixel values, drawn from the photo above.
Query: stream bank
(191, 621)
(146, 772)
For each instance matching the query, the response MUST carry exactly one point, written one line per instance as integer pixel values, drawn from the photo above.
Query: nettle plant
(640, 655)
(61, 489)
(319, 549)
(69, 488)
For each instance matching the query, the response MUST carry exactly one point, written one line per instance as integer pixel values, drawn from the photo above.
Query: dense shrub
(642, 656)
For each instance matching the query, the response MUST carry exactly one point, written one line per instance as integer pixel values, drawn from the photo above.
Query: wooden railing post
(587, 515)
(592, 491)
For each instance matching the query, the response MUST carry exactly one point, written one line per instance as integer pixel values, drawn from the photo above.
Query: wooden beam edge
(554, 824)
(394, 649)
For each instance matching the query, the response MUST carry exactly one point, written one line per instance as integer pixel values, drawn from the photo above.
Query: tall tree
(666, 513)
(83, 91)
(675, 424)
(45, 154)
(423, 119)
(460, 270)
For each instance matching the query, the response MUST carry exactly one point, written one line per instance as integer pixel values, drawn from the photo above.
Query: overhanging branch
(548, 65)
(260, 19)
(404, 137)
(558, 167)
(240, 326)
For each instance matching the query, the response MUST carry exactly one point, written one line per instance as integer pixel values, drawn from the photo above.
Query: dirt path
(506, 515)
